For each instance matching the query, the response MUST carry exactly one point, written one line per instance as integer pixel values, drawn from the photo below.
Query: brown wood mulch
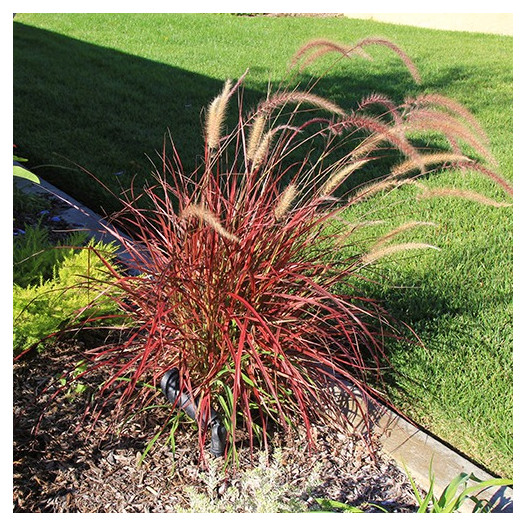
(60, 468)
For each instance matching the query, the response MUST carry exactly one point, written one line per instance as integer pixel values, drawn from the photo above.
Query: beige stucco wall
(498, 23)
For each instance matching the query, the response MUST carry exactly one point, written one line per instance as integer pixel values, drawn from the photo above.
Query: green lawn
(100, 90)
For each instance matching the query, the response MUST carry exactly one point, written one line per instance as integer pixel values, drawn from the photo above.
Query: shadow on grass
(106, 111)
(81, 105)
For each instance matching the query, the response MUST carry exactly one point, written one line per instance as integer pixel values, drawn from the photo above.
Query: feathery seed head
(436, 100)
(398, 230)
(262, 148)
(254, 139)
(372, 189)
(300, 97)
(338, 177)
(200, 212)
(374, 255)
(285, 201)
(470, 195)
(427, 160)
(264, 144)
(215, 117)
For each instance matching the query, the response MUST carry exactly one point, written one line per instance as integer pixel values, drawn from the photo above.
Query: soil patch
(66, 465)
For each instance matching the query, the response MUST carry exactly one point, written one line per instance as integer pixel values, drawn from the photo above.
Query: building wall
(497, 23)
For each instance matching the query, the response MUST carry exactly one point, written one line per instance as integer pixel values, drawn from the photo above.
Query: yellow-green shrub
(39, 310)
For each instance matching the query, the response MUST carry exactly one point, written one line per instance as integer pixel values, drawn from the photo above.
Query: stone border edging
(417, 450)
(79, 216)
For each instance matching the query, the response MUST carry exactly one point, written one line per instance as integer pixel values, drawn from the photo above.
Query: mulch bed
(70, 466)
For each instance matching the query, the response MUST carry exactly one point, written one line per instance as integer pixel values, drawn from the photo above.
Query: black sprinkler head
(170, 387)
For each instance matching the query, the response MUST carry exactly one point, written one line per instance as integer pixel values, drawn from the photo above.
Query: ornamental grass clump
(237, 277)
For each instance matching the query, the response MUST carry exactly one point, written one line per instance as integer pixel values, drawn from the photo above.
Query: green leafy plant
(20, 171)
(256, 490)
(35, 257)
(237, 276)
(450, 501)
(74, 386)
(329, 505)
(456, 493)
(43, 307)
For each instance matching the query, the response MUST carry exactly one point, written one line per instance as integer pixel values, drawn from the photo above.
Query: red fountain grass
(236, 272)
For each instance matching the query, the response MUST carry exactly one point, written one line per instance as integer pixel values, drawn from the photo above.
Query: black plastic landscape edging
(410, 447)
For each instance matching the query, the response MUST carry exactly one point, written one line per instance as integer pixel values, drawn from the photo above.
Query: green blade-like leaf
(425, 503)
(331, 505)
(496, 482)
(415, 489)
(20, 171)
(447, 500)
(148, 447)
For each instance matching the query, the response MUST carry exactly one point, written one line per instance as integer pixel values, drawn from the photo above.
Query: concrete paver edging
(83, 218)
(417, 450)
(405, 443)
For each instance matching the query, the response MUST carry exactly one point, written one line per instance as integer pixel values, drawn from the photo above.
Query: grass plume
(320, 47)
(398, 230)
(254, 139)
(379, 41)
(434, 100)
(369, 190)
(285, 201)
(200, 212)
(324, 46)
(470, 195)
(448, 126)
(427, 160)
(215, 117)
(383, 252)
(336, 179)
(301, 97)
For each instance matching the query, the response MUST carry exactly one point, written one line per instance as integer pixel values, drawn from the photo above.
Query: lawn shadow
(117, 106)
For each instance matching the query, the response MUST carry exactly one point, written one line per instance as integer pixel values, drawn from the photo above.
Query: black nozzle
(171, 388)
(218, 438)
